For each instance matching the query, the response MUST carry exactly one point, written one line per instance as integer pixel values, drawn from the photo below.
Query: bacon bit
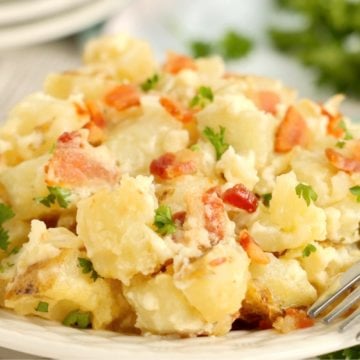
(171, 165)
(81, 111)
(292, 131)
(96, 124)
(75, 163)
(174, 109)
(267, 101)
(214, 214)
(342, 162)
(333, 127)
(96, 115)
(218, 261)
(254, 251)
(123, 97)
(293, 319)
(177, 62)
(179, 217)
(241, 197)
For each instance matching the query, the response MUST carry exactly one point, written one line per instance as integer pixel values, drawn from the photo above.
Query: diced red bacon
(267, 100)
(76, 163)
(96, 125)
(177, 111)
(179, 217)
(241, 197)
(96, 115)
(171, 165)
(177, 62)
(333, 126)
(123, 97)
(214, 215)
(293, 319)
(341, 162)
(254, 251)
(80, 110)
(218, 261)
(292, 131)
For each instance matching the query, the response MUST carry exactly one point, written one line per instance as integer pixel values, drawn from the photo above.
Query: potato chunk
(116, 229)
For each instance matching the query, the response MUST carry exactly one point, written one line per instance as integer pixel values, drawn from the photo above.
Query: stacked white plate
(27, 22)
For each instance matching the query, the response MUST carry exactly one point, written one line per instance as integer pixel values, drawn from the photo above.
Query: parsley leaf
(78, 319)
(234, 45)
(56, 194)
(4, 239)
(200, 48)
(308, 249)
(6, 213)
(217, 140)
(266, 199)
(163, 220)
(343, 126)
(355, 190)
(195, 147)
(42, 307)
(346, 354)
(202, 98)
(340, 144)
(306, 192)
(88, 267)
(150, 83)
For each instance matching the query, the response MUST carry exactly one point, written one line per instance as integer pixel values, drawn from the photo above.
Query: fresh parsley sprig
(347, 134)
(308, 249)
(6, 213)
(150, 83)
(306, 192)
(163, 221)
(87, 267)
(355, 190)
(217, 140)
(203, 97)
(266, 199)
(78, 319)
(56, 194)
(42, 307)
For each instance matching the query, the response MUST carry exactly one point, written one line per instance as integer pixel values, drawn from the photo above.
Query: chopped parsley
(163, 220)
(343, 126)
(78, 319)
(217, 140)
(231, 46)
(195, 147)
(340, 144)
(306, 192)
(355, 190)
(15, 250)
(87, 267)
(266, 199)
(56, 194)
(6, 213)
(346, 354)
(203, 97)
(150, 83)
(42, 307)
(308, 249)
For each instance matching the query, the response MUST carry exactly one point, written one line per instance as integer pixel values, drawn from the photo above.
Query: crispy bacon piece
(171, 165)
(218, 261)
(214, 215)
(177, 62)
(123, 97)
(179, 217)
(333, 127)
(241, 197)
(76, 163)
(267, 101)
(292, 131)
(174, 109)
(342, 162)
(254, 251)
(96, 125)
(293, 319)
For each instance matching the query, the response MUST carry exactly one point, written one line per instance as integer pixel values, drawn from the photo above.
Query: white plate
(43, 338)
(57, 26)
(15, 11)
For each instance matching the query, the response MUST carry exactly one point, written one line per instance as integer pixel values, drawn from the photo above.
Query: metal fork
(343, 282)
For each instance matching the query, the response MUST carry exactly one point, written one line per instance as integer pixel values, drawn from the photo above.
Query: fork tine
(339, 286)
(346, 304)
(350, 320)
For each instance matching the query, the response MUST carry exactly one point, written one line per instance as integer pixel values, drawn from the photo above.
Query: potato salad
(173, 198)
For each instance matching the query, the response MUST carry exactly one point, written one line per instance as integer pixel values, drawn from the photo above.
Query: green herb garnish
(78, 319)
(343, 126)
(87, 267)
(163, 220)
(6, 213)
(42, 307)
(310, 248)
(355, 190)
(217, 140)
(195, 147)
(150, 83)
(306, 192)
(352, 353)
(203, 97)
(56, 194)
(266, 199)
(340, 144)
(201, 48)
